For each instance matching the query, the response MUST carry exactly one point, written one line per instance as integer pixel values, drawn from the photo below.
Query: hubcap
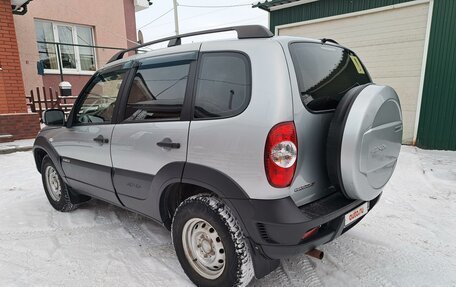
(53, 183)
(203, 248)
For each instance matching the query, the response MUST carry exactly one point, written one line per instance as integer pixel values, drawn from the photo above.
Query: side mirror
(54, 117)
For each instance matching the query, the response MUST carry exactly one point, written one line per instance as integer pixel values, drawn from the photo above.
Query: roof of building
(270, 5)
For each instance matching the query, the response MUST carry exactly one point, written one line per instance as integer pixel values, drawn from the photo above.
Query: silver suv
(248, 150)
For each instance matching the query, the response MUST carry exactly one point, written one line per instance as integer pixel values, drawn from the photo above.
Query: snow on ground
(407, 240)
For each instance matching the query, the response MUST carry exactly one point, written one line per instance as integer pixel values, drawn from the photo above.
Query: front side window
(223, 85)
(157, 92)
(73, 58)
(100, 99)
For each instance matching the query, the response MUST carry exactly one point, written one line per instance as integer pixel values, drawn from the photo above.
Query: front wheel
(210, 244)
(56, 190)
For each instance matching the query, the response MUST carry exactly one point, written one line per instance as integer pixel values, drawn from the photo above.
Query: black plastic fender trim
(214, 180)
(190, 173)
(235, 198)
(43, 144)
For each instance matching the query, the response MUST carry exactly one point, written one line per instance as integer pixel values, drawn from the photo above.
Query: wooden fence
(43, 99)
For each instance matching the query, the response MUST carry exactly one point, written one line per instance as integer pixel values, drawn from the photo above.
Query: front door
(84, 147)
(149, 144)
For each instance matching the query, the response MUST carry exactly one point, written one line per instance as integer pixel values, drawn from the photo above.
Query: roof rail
(243, 32)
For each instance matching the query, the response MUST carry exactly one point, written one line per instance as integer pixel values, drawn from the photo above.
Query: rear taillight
(280, 154)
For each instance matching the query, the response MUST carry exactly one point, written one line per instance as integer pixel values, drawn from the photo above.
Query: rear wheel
(56, 190)
(210, 244)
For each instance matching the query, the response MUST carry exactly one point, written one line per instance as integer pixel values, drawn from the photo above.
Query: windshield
(326, 73)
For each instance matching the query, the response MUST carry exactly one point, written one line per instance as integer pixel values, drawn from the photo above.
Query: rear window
(326, 73)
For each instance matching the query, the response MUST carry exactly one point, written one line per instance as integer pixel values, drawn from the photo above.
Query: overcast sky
(197, 18)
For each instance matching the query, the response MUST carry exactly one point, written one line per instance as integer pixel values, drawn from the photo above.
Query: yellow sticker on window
(358, 65)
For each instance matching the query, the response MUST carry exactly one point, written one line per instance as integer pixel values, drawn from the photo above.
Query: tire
(335, 134)
(57, 191)
(364, 141)
(204, 226)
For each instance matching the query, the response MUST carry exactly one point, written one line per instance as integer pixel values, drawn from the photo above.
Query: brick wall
(20, 126)
(12, 95)
(14, 119)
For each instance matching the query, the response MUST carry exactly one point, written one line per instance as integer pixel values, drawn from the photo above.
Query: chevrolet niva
(249, 150)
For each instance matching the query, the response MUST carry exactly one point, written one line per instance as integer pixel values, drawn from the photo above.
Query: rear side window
(157, 92)
(325, 73)
(223, 85)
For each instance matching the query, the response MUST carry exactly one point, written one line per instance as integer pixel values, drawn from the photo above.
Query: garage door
(390, 41)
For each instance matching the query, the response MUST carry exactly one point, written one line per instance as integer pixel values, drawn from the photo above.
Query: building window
(74, 59)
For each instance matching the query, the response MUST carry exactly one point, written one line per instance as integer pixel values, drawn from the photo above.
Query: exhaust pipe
(315, 253)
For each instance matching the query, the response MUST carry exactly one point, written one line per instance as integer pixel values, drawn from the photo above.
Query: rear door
(149, 143)
(323, 74)
(84, 146)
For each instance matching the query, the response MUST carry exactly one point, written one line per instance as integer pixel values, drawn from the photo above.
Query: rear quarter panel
(311, 180)
(235, 146)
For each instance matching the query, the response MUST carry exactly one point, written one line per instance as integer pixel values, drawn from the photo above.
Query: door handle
(101, 140)
(167, 143)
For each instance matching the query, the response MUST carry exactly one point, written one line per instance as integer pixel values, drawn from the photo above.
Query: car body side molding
(149, 204)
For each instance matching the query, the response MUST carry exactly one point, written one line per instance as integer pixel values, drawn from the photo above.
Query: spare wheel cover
(366, 137)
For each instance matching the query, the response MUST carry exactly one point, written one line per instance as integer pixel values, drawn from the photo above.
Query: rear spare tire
(364, 141)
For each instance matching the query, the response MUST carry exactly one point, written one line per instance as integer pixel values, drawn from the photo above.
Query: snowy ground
(407, 240)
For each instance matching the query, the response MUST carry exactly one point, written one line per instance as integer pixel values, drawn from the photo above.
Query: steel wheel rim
(203, 248)
(53, 183)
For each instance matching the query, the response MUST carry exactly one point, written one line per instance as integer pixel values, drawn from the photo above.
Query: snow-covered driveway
(407, 240)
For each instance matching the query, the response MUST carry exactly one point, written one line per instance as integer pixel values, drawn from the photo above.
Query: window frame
(77, 70)
(248, 62)
(130, 70)
(190, 57)
(295, 77)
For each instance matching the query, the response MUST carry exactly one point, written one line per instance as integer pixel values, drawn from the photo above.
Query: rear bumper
(276, 227)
